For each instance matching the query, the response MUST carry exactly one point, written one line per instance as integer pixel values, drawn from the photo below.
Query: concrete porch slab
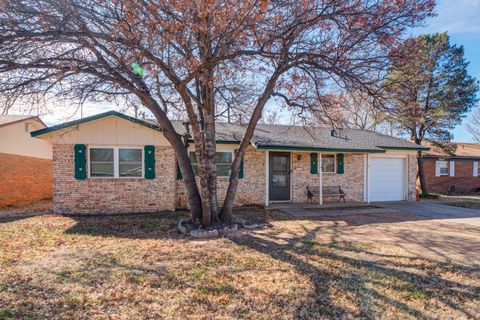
(312, 213)
(309, 205)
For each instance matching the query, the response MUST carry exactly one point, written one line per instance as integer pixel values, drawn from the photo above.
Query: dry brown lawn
(375, 266)
(460, 200)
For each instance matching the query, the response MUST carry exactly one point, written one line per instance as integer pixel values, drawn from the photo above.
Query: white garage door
(386, 179)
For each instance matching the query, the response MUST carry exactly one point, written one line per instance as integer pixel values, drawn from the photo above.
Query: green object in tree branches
(138, 69)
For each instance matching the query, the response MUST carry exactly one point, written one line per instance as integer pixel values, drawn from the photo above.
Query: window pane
(224, 157)
(101, 154)
(130, 169)
(223, 170)
(130, 162)
(195, 169)
(101, 169)
(279, 164)
(224, 160)
(328, 163)
(443, 167)
(130, 155)
(279, 180)
(101, 162)
(193, 157)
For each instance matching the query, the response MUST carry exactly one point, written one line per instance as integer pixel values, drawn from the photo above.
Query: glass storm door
(279, 184)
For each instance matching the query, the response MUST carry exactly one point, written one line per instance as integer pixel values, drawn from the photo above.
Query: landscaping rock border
(200, 233)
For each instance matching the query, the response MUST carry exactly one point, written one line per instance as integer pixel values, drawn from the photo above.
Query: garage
(386, 179)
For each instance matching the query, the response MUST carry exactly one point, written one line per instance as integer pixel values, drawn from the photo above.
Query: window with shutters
(115, 162)
(224, 163)
(328, 163)
(443, 167)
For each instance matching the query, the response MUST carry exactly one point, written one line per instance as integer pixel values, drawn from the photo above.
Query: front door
(279, 180)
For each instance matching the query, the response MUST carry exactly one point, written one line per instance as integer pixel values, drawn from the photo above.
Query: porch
(316, 205)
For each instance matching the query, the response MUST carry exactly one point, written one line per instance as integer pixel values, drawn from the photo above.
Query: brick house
(113, 163)
(456, 172)
(25, 162)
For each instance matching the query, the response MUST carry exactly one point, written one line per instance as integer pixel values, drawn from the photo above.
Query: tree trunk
(211, 161)
(421, 174)
(194, 200)
(227, 209)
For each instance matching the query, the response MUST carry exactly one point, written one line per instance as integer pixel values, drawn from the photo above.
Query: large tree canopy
(200, 57)
(429, 90)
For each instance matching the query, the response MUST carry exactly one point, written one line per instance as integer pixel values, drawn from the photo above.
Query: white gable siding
(15, 139)
(108, 131)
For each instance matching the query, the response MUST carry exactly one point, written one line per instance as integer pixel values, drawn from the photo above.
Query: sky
(460, 18)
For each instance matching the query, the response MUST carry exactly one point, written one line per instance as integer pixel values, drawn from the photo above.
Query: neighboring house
(113, 163)
(25, 162)
(456, 172)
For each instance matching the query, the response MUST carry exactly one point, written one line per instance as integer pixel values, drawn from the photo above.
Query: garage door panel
(386, 179)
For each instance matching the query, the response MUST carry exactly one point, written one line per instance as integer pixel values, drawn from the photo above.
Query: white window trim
(116, 162)
(476, 170)
(334, 163)
(219, 150)
(440, 174)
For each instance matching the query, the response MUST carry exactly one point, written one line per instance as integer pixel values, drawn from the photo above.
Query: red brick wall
(24, 180)
(463, 181)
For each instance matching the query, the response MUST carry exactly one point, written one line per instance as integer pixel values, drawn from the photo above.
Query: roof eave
(35, 118)
(446, 156)
(420, 148)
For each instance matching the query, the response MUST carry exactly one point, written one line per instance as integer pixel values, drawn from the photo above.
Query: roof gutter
(290, 148)
(420, 148)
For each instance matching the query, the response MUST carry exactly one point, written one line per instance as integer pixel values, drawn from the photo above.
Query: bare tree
(190, 55)
(353, 110)
(474, 125)
(270, 117)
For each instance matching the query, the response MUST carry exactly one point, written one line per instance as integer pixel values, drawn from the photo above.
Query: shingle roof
(301, 137)
(463, 150)
(321, 138)
(9, 119)
(280, 136)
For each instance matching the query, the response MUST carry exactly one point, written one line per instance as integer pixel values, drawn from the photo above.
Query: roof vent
(333, 133)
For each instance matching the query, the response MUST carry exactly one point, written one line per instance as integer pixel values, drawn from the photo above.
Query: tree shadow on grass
(350, 281)
(159, 225)
(18, 217)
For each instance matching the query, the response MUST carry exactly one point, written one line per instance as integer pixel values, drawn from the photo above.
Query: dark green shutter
(179, 172)
(313, 163)
(149, 160)
(240, 173)
(340, 164)
(80, 161)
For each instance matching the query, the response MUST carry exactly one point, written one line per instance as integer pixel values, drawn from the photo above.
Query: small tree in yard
(429, 91)
(194, 53)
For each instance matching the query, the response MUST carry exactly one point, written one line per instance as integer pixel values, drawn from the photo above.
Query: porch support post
(365, 178)
(267, 182)
(320, 179)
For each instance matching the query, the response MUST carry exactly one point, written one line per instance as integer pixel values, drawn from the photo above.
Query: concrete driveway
(436, 211)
